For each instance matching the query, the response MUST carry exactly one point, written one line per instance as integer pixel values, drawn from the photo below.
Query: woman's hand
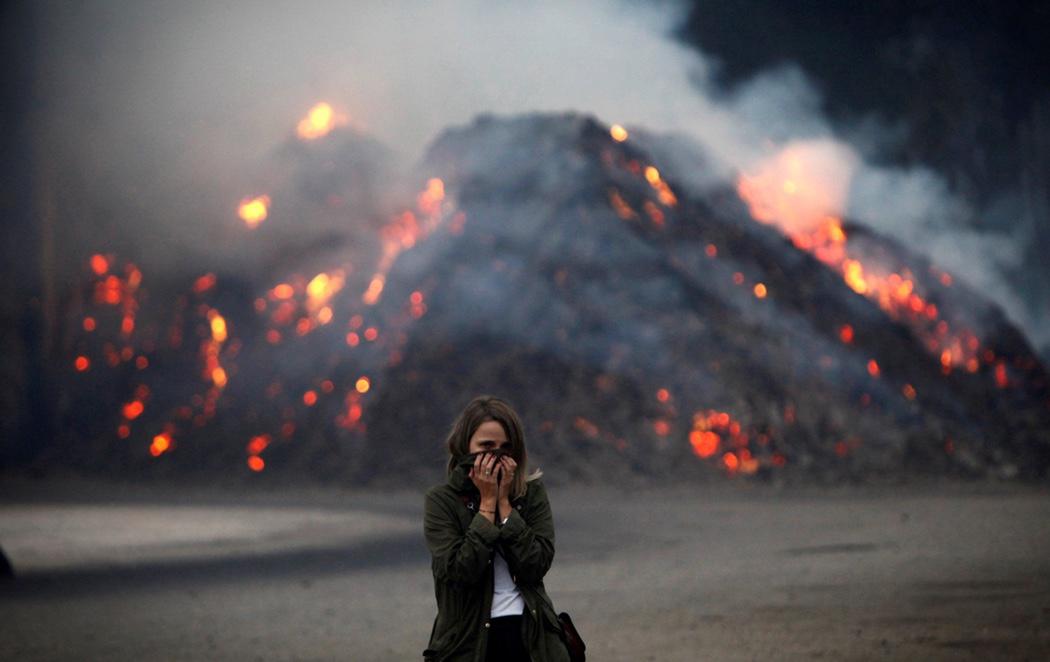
(484, 476)
(508, 467)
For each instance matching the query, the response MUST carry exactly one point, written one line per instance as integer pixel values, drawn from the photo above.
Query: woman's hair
(490, 408)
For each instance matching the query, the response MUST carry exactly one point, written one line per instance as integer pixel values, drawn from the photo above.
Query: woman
(490, 533)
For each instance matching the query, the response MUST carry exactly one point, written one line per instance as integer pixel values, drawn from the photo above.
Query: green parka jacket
(462, 545)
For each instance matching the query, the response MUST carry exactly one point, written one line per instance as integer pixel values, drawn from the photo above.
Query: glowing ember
(375, 288)
(99, 264)
(133, 409)
(620, 206)
(204, 283)
(585, 426)
(218, 325)
(319, 122)
(712, 429)
(618, 133)
(253, 211)
(82, 363)
(256, 463)
(664, 193)
(704, 442)
(161, 444)
(1001, 379)
(362, 385)
(730, 461)
(760, 290)
(321, 288)
(846, 333)
(211, 348)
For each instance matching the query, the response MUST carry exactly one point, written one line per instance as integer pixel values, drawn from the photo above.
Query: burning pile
(641, 328)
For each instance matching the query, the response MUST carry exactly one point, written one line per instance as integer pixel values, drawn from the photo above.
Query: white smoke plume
(168, 107)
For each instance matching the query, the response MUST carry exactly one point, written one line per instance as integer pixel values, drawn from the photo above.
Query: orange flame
(800, 186)
(429, 200)
(802, 190)
(321, 288)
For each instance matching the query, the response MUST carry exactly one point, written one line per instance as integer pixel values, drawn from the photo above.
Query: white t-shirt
(506, 598)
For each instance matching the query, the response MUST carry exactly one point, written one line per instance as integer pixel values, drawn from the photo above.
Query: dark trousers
(505, 643)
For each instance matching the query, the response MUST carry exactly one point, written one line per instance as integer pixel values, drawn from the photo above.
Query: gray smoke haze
(156, 116)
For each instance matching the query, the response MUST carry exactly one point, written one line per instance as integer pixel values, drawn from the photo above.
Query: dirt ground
(933, 572)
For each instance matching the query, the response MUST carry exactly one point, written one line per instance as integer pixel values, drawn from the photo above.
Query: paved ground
(955, 572)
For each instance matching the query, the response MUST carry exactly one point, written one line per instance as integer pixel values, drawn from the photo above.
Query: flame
(429, 200)
(211, 348)
(802, 189)
(798, 187)
(321, 288)
(319, 121)
(253, 211)
(405, 229)
(664, 192)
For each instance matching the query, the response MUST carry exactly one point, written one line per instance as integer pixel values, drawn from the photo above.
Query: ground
(737, 572)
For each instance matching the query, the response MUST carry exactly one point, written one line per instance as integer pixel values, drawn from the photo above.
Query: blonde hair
(490, 408)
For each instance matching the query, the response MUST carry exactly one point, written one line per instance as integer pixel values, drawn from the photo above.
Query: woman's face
(488, 437)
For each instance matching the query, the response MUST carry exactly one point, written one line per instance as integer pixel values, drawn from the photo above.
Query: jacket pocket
(550, 618)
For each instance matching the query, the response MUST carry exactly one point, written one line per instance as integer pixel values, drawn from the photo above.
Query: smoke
(156, 116)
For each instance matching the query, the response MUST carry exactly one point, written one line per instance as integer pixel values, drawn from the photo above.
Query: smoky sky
(154, 118)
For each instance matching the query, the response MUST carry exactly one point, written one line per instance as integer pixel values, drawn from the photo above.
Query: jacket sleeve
(528, 544)
(457, 556)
